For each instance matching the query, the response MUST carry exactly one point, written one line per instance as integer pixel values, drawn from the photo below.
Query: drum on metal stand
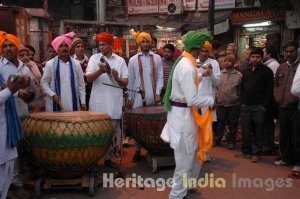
(67, 145)
(145, 125)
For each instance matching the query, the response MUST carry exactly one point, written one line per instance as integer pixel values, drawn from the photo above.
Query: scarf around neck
(14, 130)
(204, 122)
(58, 85)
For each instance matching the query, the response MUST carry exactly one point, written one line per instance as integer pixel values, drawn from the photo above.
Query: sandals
(294, 175)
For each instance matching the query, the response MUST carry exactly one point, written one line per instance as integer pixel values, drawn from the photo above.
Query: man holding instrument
(182, 100)
(63, 81)
(108, 72)
(145, 75)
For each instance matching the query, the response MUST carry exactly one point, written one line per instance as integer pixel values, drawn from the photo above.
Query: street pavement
(225, 177)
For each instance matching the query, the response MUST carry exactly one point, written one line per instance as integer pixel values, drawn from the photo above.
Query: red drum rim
(148, 110)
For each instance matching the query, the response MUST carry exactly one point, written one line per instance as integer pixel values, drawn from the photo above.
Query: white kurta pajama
(7, 154)
(134, 80)
(48, 84)
(104, 98)
(7, 69)
(181, 128)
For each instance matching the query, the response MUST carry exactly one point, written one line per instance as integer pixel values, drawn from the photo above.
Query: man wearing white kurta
(146, 74)
(209, 77)
(11, 109)
(105, 98)
(134, 81)
(63, 81)
(181, 130)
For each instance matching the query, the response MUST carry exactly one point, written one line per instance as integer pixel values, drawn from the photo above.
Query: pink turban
(67, 38)
(105, 37)
(12, 38)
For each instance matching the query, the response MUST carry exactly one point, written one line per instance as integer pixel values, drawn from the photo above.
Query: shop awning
(180, 22)
(200, 20)
(38, 12)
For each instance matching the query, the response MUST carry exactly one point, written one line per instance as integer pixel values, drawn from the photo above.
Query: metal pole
(211, 19)
(101, 11)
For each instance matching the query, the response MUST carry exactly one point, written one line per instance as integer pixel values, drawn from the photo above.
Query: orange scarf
(204, 122)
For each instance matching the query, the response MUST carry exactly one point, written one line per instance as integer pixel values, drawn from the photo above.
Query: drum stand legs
(120, 173)
(86, 182)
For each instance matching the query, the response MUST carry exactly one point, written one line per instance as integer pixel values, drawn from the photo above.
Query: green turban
(195, 39)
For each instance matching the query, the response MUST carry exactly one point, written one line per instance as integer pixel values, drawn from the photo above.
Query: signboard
(219, 4)
(152, 6)
(241, 17)
(189, 5)
(292, 19)
(160, 6)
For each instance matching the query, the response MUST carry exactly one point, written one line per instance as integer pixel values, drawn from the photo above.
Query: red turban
(105, 37)
(12, 38)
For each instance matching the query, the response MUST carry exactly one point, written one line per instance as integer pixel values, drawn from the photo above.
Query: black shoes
(193, 192)
(137, 156)
(230, 146)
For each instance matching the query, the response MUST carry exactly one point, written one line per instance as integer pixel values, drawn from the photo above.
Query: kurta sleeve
(46, 80)
(124, 70)
(215, 77)
(160, 76)
(4, 95)
(80, 82)
(131, 78)
(92, 65)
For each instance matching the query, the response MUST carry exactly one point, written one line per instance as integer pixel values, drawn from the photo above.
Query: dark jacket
(257, 86)
(283, 83)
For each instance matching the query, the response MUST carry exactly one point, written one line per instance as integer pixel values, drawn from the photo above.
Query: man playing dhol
(63, 81)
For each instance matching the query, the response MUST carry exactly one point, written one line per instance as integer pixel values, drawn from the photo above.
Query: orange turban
(12, 38)
(208, 46)
(141, 36)
(105, 37)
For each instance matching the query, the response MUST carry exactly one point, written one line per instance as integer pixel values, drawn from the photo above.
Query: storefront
(257, 28)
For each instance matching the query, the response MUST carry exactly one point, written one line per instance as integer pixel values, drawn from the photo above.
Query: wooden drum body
(145, 125)
(68, 143)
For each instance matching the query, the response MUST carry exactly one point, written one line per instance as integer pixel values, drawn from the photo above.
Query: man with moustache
(288, 103)
(146, 74)
(105, 98)
(17, 110)
(63, 81)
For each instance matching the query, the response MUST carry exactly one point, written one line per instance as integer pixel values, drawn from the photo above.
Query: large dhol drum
(67, 144)
(145, 125)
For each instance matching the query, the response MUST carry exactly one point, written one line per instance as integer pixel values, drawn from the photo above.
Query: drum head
(70, 116)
